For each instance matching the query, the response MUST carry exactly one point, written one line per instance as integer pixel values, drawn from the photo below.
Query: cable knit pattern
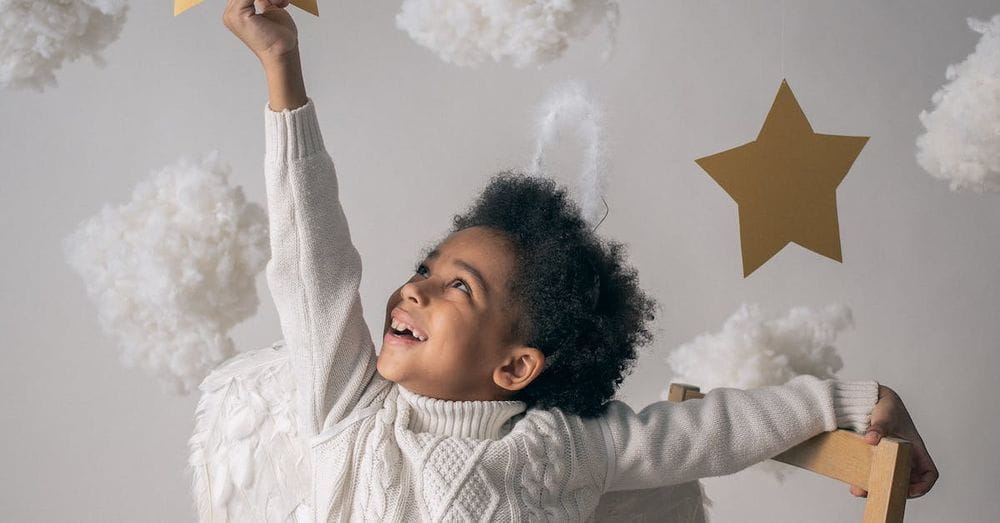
(380, 452)
(558, 484)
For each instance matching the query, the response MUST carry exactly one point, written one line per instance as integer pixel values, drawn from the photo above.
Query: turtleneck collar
(469, 419)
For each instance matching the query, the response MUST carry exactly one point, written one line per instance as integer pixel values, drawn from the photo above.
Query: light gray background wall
(83, 439)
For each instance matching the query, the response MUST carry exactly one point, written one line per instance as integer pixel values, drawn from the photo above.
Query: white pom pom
(174, 269)
(526, 32)
(38, 36)
(962, 140)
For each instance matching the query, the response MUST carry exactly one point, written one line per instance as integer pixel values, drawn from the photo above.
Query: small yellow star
(306, 5)
(785, 183)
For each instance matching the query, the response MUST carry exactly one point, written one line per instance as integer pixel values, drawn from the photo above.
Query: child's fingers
(236, 11)
(881, 424)
(923, 473)
(268, 4)
(859, 492)
(923, 484)
(239, 6)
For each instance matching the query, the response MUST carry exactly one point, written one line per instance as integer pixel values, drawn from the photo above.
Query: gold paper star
(785, 183)
(306, 5)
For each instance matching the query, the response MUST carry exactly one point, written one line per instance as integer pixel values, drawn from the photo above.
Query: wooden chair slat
(841, 454)
(889, 483)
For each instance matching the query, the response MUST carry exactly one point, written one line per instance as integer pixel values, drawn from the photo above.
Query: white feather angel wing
(247, 461)
(249, 465)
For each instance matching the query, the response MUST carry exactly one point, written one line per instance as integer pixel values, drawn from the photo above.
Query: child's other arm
(726, 431)
(314, 271)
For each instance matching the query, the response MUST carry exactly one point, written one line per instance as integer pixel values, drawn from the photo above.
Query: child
(491, 396)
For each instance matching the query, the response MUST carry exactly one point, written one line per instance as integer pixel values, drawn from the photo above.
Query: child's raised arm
(726, 431)
(314, 271)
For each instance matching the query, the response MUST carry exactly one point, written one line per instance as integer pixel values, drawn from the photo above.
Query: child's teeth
(400, 326)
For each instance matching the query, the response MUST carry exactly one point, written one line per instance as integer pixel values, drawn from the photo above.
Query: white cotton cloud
(38, 36)
(752, 350)
(525, 32)
(570, 106)
(961, 144)
(174, 269)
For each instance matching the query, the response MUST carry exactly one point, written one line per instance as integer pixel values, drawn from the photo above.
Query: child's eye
(462, 282)
(422, 270)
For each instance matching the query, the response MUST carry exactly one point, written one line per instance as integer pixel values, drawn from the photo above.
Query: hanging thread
(782, 39)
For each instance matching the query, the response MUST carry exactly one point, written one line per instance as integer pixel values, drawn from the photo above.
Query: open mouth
(405, 334)
(405, 331)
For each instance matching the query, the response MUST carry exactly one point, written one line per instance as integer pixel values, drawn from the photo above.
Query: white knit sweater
(381, 452)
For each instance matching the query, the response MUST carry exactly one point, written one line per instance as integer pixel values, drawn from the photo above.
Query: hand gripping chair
(883, 470)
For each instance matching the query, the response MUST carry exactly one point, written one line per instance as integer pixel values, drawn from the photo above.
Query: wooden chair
(883, 470)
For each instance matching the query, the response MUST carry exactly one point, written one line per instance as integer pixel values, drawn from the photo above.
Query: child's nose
(414, 293)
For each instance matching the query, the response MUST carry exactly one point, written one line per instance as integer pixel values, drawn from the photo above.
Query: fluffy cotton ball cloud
(571, 107)
(961, 144)
(753, 350)
(525, 32)
(38, 36)
(172, 270)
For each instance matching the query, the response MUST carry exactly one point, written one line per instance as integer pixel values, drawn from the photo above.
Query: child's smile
(403, 329)
(449, 331)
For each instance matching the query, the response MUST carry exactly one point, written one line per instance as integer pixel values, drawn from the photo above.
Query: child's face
(456, 322)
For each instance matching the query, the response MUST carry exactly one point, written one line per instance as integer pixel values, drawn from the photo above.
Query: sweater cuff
(292, 134)
(853, 402)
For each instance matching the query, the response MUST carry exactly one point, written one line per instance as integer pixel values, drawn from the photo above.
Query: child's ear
(521, 366)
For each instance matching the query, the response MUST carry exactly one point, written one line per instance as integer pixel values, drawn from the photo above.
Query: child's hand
(890, 418)
(271, 35)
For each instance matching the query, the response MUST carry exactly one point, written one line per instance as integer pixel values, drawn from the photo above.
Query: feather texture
(247, 462)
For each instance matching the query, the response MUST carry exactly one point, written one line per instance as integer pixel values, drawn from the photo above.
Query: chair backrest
(883, 470)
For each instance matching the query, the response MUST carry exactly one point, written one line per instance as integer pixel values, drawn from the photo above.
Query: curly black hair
(579, 302)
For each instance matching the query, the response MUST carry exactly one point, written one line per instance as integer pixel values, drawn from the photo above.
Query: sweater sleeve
(726, 431)
(314, 272)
